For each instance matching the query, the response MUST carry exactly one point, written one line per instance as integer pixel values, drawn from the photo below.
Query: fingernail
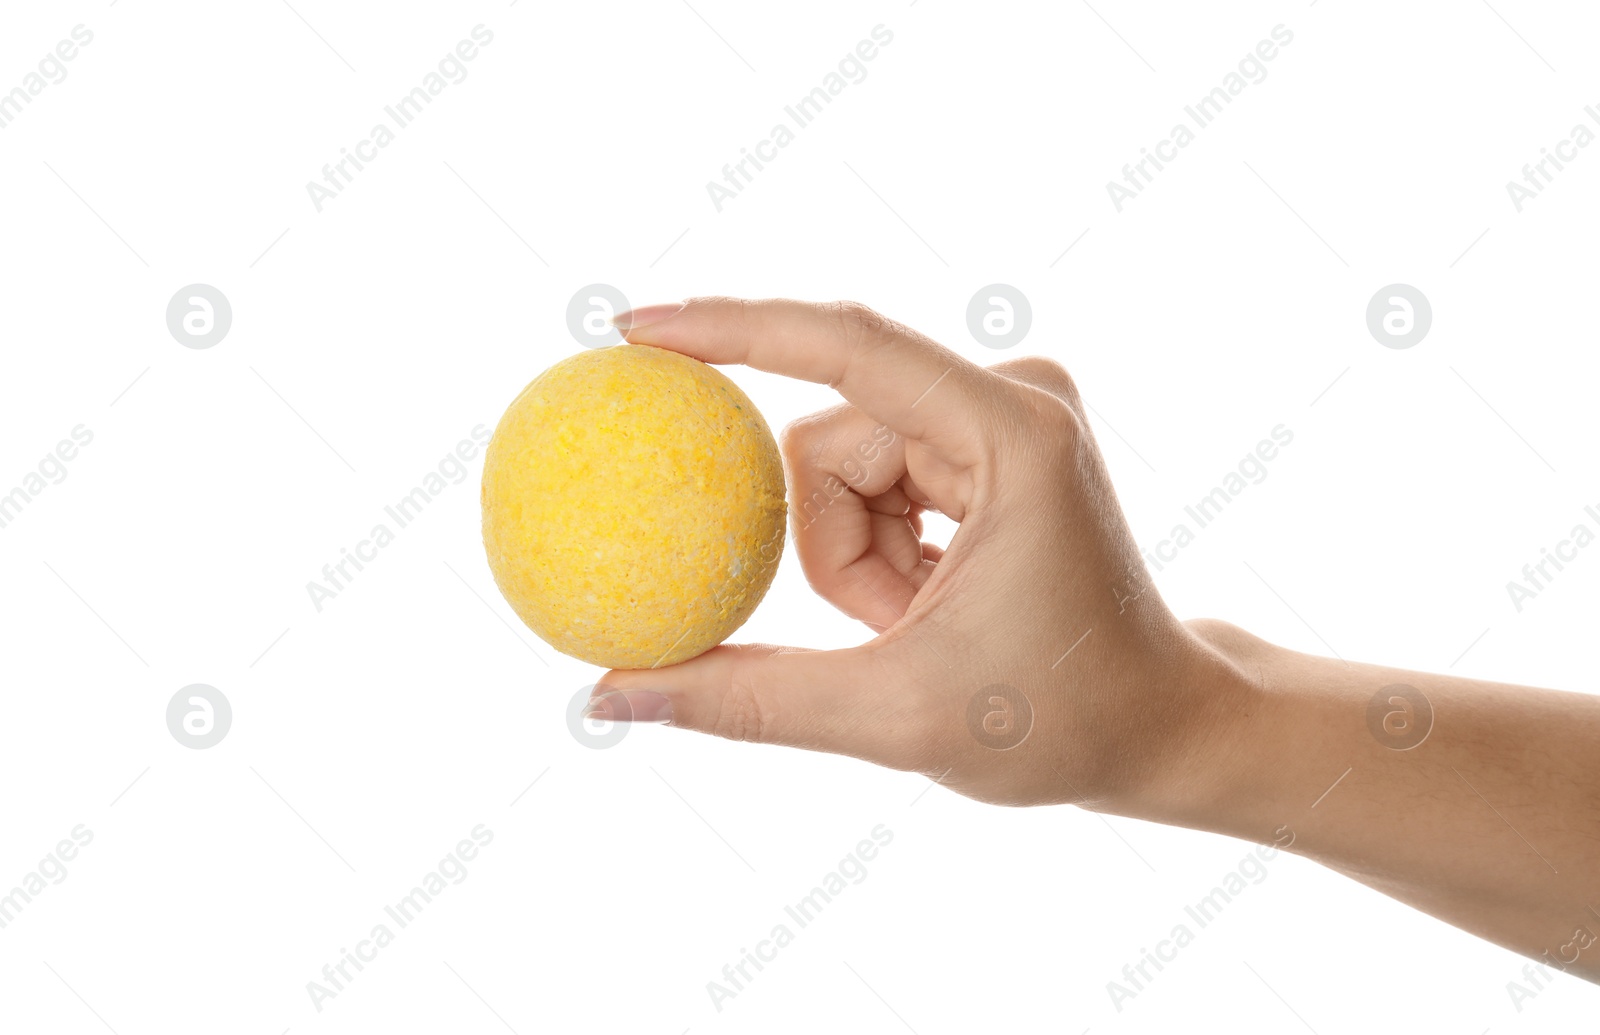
(634, 319)
(629, 706)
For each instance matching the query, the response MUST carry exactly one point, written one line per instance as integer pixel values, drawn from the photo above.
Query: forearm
(1490, 823)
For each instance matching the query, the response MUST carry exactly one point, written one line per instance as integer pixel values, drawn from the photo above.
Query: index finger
(897, 376)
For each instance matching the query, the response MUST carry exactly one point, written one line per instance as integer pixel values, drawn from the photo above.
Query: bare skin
(1491, 822)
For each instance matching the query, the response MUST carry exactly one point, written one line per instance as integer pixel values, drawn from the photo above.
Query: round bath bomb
(633, 506)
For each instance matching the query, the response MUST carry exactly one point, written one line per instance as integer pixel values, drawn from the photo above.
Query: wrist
(1204, 744)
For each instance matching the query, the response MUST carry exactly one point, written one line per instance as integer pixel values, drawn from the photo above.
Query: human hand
(1029, 663)
(1032, 663)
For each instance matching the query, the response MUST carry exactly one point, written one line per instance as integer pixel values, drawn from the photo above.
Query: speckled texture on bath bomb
(633, 506)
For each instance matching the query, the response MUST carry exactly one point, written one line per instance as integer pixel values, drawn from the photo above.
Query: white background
(369, 738)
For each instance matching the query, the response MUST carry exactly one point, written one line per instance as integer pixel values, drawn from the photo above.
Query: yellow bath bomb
(633, 506)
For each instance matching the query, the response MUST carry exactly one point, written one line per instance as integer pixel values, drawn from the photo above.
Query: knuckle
(861, 324)
(798, 441)
(740, 716)
(1060, 417)
(911, 734)
(1051, 426)
(811, 441)
(1046, 369)
(915, 743)
(1044, 404)
(1047, 375)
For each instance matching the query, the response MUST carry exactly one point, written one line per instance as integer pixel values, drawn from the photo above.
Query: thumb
(839, 701)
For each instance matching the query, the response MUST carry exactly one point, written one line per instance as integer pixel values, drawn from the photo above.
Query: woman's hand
(1031, 662)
